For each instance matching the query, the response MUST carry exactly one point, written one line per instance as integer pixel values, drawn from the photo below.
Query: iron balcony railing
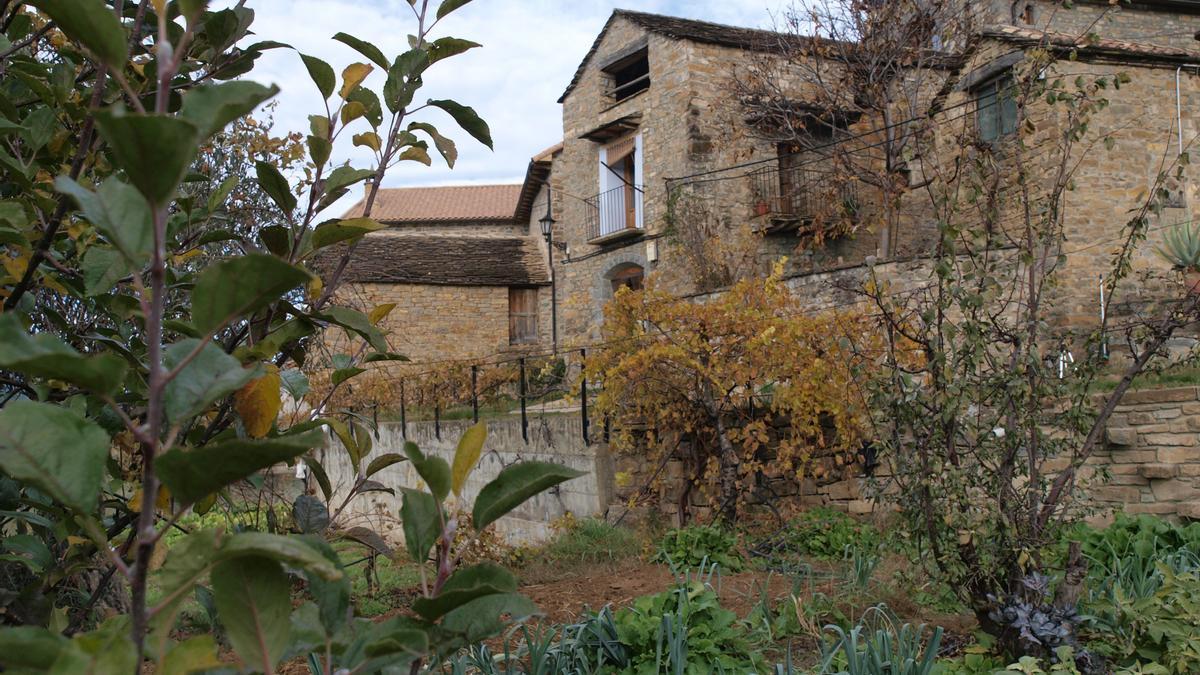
(802, 194)
(617, 211)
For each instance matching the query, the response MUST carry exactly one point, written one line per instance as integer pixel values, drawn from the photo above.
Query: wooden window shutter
(522, 316)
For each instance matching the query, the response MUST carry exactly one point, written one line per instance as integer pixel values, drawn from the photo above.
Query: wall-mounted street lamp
(547, 222)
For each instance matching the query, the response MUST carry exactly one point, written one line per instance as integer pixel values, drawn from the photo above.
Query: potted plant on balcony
(1181, 248)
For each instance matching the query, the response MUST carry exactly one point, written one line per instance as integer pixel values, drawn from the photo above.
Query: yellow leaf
(380, 313)
(160, 6)
(369, 139)
(467, 456)
(416, 154)
(258, 403)
(352, 76)
(352, 111)
(315, 287)
(162, 503)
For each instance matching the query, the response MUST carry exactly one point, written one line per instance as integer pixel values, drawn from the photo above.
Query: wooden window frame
(522, 321)
(996, 109)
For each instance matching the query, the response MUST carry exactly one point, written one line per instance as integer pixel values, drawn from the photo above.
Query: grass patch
(581, 543)
(1174, 376)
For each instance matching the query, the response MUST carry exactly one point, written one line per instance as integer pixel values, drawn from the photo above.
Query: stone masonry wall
(556, 438)
(438, 323)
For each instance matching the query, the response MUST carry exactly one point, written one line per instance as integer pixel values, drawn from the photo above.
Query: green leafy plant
(1181, 246)
(685, 630)
(885, 650)
(150, 326)
(699, 545)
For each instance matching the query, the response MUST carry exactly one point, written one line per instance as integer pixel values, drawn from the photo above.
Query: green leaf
(276, 186)
(119, 212)
(93, 24)
(319, 149)
(463, 587)
(416, 154)
(289, 550)
(54, 449)
(444, 48)
(468, 119)
(310, 514)
(513, 486)
(480, 619)
(369, 538)
(384, 461)
(332, 596)
(363, 47)
(241, 286)
(434, 470)
(192, 474)
(210, 376)
(277, 239)
(357, 322)
(253, 599)
(154, 150)
(44, 355)
(321, 73)
(342, 374)
(419, 512)
(335, 231)
(108, 649)
(295, 383)
(448, 6)
(187, 563)
(318, 472)
(213, 106)
(102, 268)
(370, 105)
(193, 655)
(30, 648)
(466, 455)
(445, 146)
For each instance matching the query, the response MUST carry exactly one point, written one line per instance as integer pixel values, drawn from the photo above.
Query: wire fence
(523, 388)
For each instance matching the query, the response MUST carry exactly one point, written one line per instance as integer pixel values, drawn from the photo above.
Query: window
(996, 109)
(630, 75)
(522, 316)
(619, 203)
(628, 276)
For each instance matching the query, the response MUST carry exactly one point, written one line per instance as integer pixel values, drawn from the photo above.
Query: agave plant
(1181, 246)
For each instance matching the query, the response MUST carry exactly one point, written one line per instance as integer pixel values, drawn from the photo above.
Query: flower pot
(762, 208)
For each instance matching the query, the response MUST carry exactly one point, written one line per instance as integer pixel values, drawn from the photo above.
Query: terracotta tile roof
(443, 204)
(1100, 47)
(403, 258)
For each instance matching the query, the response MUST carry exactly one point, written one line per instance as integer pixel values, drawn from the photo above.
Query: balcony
(615, 214)
(796, 198)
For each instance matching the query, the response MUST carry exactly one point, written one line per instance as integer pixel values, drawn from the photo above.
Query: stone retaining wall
(552, 438)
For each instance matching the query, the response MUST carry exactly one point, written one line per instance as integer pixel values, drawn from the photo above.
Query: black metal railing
(617, 211)
(802, 194)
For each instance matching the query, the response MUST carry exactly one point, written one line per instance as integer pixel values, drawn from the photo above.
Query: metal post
(583, 402)
(524, 416)
(403, 418)
(475, 393)
(437, 420)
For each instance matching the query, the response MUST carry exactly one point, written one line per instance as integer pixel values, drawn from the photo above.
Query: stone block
(1125, 438)
(1140, 418)
(1188, 510)
(1170, 439)
(1174, 490)
(842, 491)
(1155, 509)
(1135, 456)
(1158, 470)
(861, 507)
(1117, 493)
(1178, 455)
(1175, 395)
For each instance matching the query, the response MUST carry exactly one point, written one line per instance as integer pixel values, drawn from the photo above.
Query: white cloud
(530, 51)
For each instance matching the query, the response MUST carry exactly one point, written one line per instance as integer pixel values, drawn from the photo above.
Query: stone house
(468, 278)
(650, 126)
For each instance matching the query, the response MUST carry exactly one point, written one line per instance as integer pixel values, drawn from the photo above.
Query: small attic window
(629, 75)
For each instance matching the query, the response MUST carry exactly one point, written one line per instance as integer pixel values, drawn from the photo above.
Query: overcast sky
(530, 51)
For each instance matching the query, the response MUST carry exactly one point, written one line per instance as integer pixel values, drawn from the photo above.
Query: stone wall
(552, 438)
(1153, 453)
(438, 323)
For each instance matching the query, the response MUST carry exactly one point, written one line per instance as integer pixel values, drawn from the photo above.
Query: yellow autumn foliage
(258, 403)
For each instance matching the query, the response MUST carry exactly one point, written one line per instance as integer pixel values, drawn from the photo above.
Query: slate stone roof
(401, 258)
(459, 203)
(684, 29)
(1101, 48)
